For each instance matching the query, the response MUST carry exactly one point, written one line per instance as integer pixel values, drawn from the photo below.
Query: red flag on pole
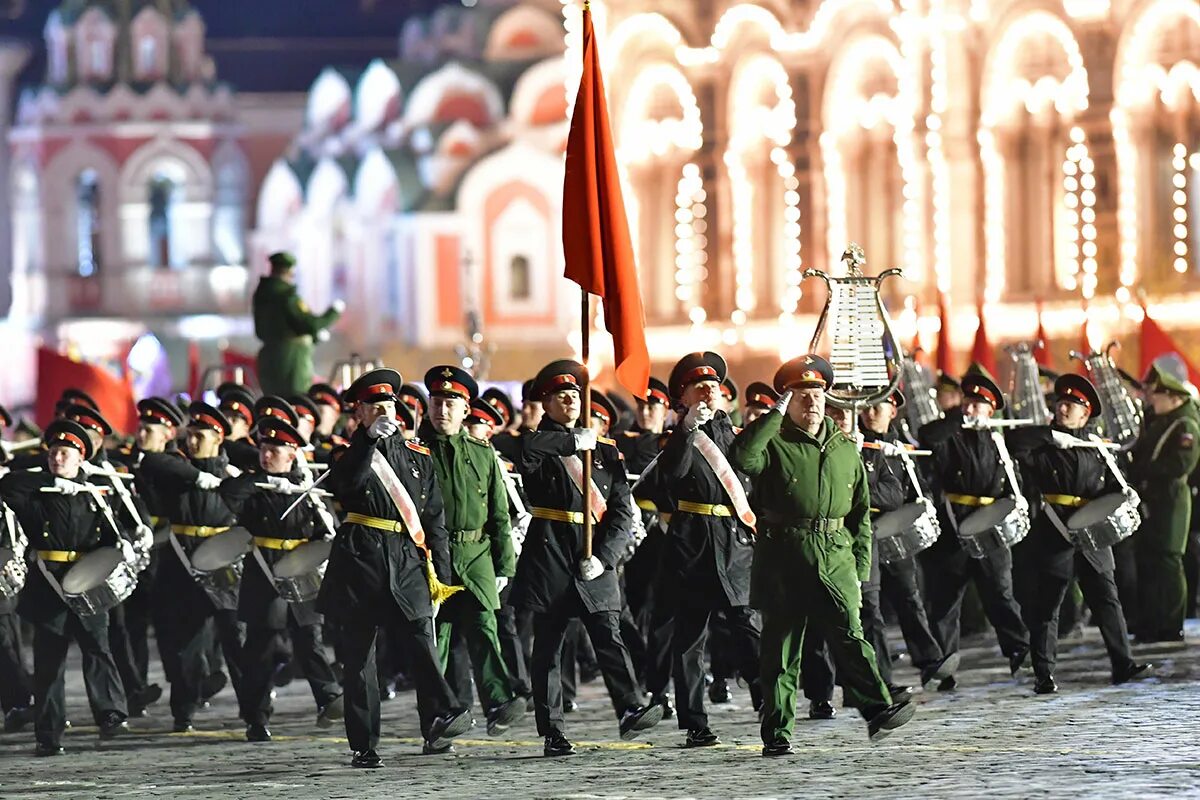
(1041, 348)
(945, 355)
(596, 243)
(981, 350)
(1156, 342)
(56, 372)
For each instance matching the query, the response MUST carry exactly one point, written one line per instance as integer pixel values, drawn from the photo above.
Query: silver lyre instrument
(13, 569)
(911, 528)
(1025, 398)
(1004, 522)
(1108, 519)
(1121, 413)
(920, 396)
(865, 355)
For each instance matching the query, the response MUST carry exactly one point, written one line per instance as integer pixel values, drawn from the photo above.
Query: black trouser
(631, 634)
(816, 667)
(874, 630)
(948, 569)
(258, 667)
(138, 610)
(361, 679)
(658, 646)
(1126, 577)
(1053, 574)
(604, 630)
(513, 650)
(105, 694)
(16, 685)
(190, 640)
(720, 648)
(121, 645)
(900, 584)
(688, 638)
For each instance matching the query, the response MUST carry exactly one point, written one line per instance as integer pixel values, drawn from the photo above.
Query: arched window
(147, 57)
(163, 197)
(87, 222)
(519, 278)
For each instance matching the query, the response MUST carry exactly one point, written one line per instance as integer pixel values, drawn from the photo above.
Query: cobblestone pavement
(992, 738)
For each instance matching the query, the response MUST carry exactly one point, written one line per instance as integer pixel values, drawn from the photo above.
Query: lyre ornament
(865, 355)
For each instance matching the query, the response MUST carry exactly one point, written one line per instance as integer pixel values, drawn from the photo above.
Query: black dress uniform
(548, 581)
(268, 617)
(16, 685)
(967, 465)
(377, 577)
(1065, 479)
(195, 514)
(61, 528)
(707, 552)
(236, 401)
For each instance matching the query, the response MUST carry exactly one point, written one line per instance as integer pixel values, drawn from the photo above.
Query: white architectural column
(13, 55)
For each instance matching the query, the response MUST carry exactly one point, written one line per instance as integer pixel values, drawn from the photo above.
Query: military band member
(268, 617)
(415, 399)
(481, 549)
(555, 579)
(1066, 479)
(388, 555)
(813, 551)
(899, 579)
(16, 685)
(760, 398)
(236, 403)
(969, 471)
(196, 512)
(705, 566)
(1163, 459)
(949, 391)
(64, 522)
(307, 415)
(329, 411)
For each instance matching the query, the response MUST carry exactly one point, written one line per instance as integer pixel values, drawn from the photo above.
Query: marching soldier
(329, 410)
(760, 398)
(63, 522)
(949, 391)
(287, 329)
(968, 469)
(414, 398)
(16, 685)
(813, 552)
(705, 566)
(899, 580)
(1067, 478)
(508, 442)
(481, 550)
(384, 568)
(236, 403)
(196, 512)
(267, 615)
(1163, 459)
(556, 579)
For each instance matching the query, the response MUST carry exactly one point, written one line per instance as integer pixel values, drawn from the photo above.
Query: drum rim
(901, 513)
(307, 554)
(217, 545)
(1002, 503)
(1095, 506)
(110, 556)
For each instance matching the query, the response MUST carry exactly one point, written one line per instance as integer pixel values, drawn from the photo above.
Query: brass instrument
(1121, 413)
(1026, 400)
(864, 353)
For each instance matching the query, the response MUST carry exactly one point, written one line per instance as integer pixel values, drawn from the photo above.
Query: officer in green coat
(481, 547)
(813, 551)
(1163, 459)
(287, 330)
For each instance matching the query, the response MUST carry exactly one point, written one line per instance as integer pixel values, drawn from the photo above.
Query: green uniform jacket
(798, 476)
(476, 500)
(1163, 459)
(286, 327)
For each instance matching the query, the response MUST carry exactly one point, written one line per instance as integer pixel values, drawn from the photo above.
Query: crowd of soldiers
(454, 558)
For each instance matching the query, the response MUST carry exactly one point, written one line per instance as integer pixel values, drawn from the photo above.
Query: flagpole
(586, 417)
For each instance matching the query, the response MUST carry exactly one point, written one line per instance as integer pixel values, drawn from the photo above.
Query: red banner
(56, 372)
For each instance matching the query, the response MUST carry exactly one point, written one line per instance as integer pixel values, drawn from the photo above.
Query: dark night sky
(265, 45)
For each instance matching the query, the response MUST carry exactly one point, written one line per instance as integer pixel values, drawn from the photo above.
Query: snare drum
(217, 563)
(1104, 521)
(298, 574)
(906, 531)
(13, 572)
(98, 582)
(1000, 525)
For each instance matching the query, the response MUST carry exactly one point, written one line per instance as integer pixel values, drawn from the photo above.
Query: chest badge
(415, 472)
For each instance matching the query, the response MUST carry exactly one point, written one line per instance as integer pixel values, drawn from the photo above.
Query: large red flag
(1041, 347)
(981, 350)
(945, 355)
(56, 372)
(596, 243)
(1156, 342)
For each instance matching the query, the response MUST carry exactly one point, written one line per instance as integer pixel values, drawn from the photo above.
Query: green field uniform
(286, 327)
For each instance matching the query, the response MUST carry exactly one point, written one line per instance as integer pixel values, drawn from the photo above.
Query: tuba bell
(1121, 415)
(1026, 400)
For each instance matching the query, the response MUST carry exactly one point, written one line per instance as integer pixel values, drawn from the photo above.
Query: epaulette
(508, 465)
(417, 447)
(662, 440)
(604, 440)
(631, 434)
(478, 441)
(736, 430)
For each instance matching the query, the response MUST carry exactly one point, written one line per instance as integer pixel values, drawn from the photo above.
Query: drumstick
(122, 475)
(313, 492)
(88, 489)
(909, 450)
(300, 499)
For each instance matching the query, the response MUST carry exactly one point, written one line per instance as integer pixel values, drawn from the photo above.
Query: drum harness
(233, 472)
(1106, 455)
(97, 492)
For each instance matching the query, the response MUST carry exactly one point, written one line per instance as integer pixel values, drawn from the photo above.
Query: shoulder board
(736, 429)
(508, 465)
(630, 434)
(480, 442)
(339, 439)
(327, 445)
(603, 440)
(126, 451)
(417, 447)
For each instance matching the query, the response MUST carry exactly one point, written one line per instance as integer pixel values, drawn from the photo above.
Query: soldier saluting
(813, 551)
(383, 569)
(554, 579)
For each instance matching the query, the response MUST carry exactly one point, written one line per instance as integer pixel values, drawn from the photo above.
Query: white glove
(500, 584)
(891, 449)
(282, 485)
(207, 482)
(974, 423)
(323, 336)
(697, 415)
(88, 468)
(69, 488)
(382, 428)
(145, 537)
(1063, 440)
(338, 305)
(590, 568)
(782, 405)
(585, 439)
(126, 549)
